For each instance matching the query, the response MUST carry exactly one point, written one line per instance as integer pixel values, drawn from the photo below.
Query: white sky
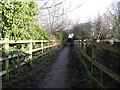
(89, 9)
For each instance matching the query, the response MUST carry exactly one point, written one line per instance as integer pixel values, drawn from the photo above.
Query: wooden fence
(79, 48)
(45, 44)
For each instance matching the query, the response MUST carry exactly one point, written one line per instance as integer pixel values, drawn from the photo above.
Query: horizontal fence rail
(5, 44)
(93, 62)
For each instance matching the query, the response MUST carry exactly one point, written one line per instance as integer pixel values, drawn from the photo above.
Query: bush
(18, 21)
(61, 35)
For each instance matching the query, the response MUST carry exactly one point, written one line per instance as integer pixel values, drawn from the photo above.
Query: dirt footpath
(57, 76)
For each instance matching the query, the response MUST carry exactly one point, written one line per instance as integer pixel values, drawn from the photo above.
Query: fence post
(42, 46)
(30, 50)
(80, 43)
(101, 72)
(84, 45)
(48, 45)
(92, 67)
(6, 50)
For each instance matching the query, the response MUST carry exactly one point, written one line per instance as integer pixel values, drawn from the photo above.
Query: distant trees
(106, 26)
(82, 30)
(99, 28)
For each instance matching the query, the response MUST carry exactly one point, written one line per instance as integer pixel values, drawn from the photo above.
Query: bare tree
(53, 15)
(106, 26)
(112, 17)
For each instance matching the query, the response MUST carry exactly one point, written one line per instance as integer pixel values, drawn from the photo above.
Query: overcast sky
(89, 9)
